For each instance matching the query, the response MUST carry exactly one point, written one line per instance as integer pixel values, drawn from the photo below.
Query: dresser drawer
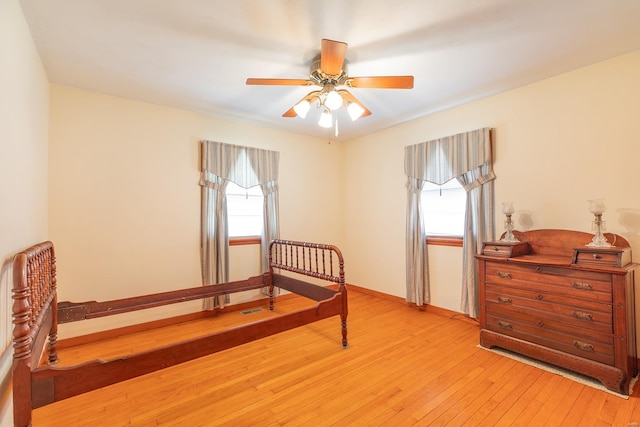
(505, 249)
(552, 309)
(614, 257)
(586, 285)
(522, 326)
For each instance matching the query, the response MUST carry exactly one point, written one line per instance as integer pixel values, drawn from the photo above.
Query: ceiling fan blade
(332, 57)
(311, 97)
(348, 97)
(290, 113)
(279, 82)
(381, 82)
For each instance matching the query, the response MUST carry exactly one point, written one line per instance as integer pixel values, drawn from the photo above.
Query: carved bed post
(53, 332)
(22, 340)
(268, 281)
(268, 277)
(343, 290)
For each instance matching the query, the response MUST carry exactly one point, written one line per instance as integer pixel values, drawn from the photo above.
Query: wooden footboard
(34, 317)
(314, 260)
(36, 314)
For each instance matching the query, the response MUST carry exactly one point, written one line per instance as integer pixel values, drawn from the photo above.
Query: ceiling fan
(329, 72)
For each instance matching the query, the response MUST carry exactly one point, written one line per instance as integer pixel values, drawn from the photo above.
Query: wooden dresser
(552, 298)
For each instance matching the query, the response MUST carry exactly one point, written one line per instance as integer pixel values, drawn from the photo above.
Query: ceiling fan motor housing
(316, 74)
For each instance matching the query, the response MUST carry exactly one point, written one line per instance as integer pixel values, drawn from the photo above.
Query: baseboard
(426, 307)
(378, 294)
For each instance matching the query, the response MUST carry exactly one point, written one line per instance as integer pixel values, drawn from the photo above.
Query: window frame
(444, 239)
(245, 239)
(453, 241)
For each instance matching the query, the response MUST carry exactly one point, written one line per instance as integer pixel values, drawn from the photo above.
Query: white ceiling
(197, 54)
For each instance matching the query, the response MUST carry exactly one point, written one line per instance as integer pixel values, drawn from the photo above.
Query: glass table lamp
(508, 210)
(597, 208)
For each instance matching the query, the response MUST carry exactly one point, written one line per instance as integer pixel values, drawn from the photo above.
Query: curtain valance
(231, 162)
(441, 160)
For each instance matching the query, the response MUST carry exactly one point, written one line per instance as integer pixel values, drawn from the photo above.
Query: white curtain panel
(468, 158)
(246, 167)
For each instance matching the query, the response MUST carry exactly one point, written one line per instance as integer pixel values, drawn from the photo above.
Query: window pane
(244, 210)
(444, 208)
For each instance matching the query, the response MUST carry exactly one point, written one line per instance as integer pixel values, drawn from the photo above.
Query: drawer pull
(505, 325)
(583, 286)
(580, 315)
(584, 346)
(504, 300)
(540, 323)
(504, 275)
(596, 256)
(539, 296)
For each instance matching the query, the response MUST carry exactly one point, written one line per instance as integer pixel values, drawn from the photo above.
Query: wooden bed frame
(37, 313)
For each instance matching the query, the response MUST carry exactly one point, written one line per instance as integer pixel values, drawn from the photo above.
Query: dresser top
(560, 247)
(549, 242)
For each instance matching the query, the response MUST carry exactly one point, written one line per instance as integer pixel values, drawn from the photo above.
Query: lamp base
(599, 243)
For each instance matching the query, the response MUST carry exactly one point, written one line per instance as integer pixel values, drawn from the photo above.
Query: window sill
(444, 241)
(238, 241)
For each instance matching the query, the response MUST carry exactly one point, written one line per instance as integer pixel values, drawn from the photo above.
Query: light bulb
(325, 119)
(355, 111)
(333, 100)
(302, 108)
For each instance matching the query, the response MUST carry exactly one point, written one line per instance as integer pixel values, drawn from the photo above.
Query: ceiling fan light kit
(332, 99)
(355, 111)
(329, 71)
(326, 119)
(302, 108)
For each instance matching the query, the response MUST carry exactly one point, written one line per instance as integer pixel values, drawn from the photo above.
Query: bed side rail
(74, 311)
(310, 259)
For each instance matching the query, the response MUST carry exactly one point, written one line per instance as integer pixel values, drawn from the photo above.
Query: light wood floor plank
(404, 367)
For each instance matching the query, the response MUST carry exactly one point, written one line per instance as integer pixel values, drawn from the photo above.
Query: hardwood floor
(404, 367)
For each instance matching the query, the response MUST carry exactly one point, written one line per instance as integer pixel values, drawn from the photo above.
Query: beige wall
(559, 142)
(23, 167)
(125, 200)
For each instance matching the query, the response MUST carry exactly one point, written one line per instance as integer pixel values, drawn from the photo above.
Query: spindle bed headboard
(37, 313)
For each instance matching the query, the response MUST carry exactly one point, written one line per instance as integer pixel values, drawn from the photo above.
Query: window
(244, 210)
(443, 207)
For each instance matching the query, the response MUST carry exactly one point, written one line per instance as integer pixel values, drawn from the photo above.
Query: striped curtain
(468, 158)
(246, 167)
